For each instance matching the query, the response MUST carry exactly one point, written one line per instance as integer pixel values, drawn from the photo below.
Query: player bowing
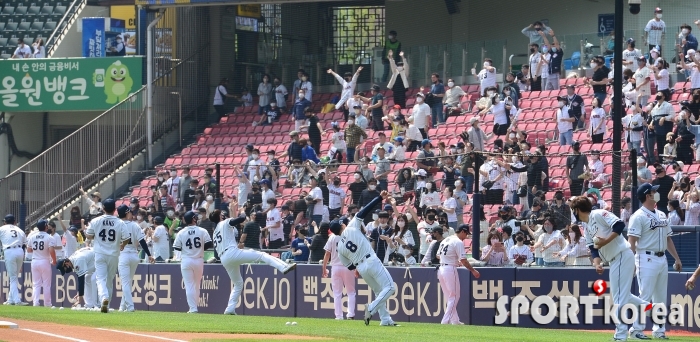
(191, 242)
(451, 254)
(650, 236)
(129, 256)
(233, 257)
(83, 263)
(356, 253)
(603, 235)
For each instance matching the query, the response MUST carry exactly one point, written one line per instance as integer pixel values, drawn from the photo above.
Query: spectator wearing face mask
(693, 67)
(501, 111)
(512, 88)
(549, 243)
(495, 253)
(533, 32)
(280, 94)
(554, 59)
(575, 167)
(367, 196)
(630, 55)
(687, 39)
(348, 82)
(392, 49)
(264, 94)
(597, 128)
(475, 135)
(642, 77)
(399, 79)
(659, 72)
(665, 183)
(486, 76)
(353, 135)
(662, 114)
(429, 230)
(535, 68)
(684, 137)
(655, 30)
(23, 50)
(421, 114)
(271, 114)
(565, 122)
(375, 104)
(453, 97)
(599, 81)
(523, 78)
(299, 109)
(519, 254)
(576, 253)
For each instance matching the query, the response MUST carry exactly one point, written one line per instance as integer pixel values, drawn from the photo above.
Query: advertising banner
(305, 293)
(67, 84)
(130, 36)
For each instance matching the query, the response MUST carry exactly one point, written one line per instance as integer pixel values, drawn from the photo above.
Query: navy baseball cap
(189, 216)
(109, 205)
(266, 182)
(437, 230)
(463, 228)
(249, 147)
(9, 218)
(285, 207)
(122, 210)
(73, 229)
(335, 227)
(60, 267)
(426, 142)
(646, 188)
(158, 220)
(388, 207)
(134, 200)
(42, 224)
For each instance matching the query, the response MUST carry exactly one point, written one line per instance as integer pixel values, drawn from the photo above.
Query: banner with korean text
(67, 84)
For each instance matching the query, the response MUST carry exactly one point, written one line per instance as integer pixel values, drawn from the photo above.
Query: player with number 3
(191, 242)
(108, 235)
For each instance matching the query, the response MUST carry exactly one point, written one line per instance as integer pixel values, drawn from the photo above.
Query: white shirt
(40, 242)
(39, 52)
(353, 246)
(317, 195)
(655, 30)
(451, 203)
(545, 239)
(23, 51)
(70, 246)
(190, 241)
(640, 76)
(58, 243)
(421, 113)
(108, 233)
(225, 237)
(651, 228)
(631, 56)
(348, 89)
(83, 261)
(487, 78)
(332, 247)
(135, 234)
(408, 240)
(500, 116)
(308, 87)
(545, 66)
(388, 148)
(575, 249)
(338, 139)
(218, 99)
(633, 121)
(600, 223)
(274, 217)
(534, 64)
(664, 109)
(280, 92)
(425, 236)
(243, 190)
(399, 154)
(161, 248)
(336, 196)
(267, 194)
(694, 75)
(451, 251)
(516, 251)
(413, 134)
(598, 118)
(692, 214)
(663, 82)
(564, 126)
(254, 168)
(430, 199)
(173, 184)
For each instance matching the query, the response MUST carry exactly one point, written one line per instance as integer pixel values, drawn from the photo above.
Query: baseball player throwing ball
(356, 253)
(604, 238)
(41, 245)
(232, 257)
(107, 233)
(650, 236)
(341, 276)
(83, 263)
(191, 242)
(129, 256)
(451, 254)
(13, 241)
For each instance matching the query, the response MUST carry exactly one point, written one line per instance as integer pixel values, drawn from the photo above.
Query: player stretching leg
(83, 263)
(341, 276)
(191, 242)
(108, 233)
(232, 257)
(129, 257)
(13, 241)
(357, 254)
(650, 236)
(41, 245)
(451, 254)
(604, 238)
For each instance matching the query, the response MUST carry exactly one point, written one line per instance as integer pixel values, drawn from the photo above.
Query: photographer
(560, 211)
(495, 253)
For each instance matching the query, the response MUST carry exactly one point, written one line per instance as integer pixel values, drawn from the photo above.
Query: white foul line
(142, 335)
(54, 335)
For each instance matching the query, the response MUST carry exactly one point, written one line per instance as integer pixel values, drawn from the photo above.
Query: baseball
(294, 323)
(289, 323)
(691, 287)
(596, 240)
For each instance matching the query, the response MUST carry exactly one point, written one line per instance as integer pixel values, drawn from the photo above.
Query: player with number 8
(191, 242)
(108, 235)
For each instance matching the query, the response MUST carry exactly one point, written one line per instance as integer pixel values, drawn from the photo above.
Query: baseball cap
(646, 188)
(73, 229)
(249, 147)
(9, 218)
(658, 10)
(505, 209)
(642, 58)
(109, 205)
(335, 227)
(60, 267)
(266, 182)
(122, 210)
(189, 216)
(425, 142)
(421, 173)
(388, 207)
(691, 52)
(293, 133)
(285, 207)
(158, 220)
(659, 169)
(571, 86)
(134, 200)
(42, 224)
(399, 139)
(460, 145)
(376, 87)
(473, 120)
(420, 94)
(463, 228)
(96, 194)
(437, 230)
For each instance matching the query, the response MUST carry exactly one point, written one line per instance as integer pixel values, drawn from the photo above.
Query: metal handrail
(59, 33)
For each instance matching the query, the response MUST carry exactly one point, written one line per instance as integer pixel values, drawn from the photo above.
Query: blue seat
(7, 10)
(573, 62)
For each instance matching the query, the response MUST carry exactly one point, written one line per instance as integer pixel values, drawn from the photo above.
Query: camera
(635, 6)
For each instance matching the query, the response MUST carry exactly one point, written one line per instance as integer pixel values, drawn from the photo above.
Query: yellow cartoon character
(117, 82)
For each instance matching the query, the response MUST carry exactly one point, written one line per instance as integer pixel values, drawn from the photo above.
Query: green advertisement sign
(67, 84)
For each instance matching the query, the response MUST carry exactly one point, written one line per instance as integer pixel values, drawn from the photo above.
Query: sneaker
(368, 316)
(339, 318)
(8, 303)
(289, 268)
(230, 313)
(619, 339)
(22, 304)
(392, 324)
(105, 306)
(458, 323)
(638, 335)
(192, 312)
(660, 335)
(351, 318)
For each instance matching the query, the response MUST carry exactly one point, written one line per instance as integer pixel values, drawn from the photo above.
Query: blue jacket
(690, 43)
(299, 107)
(308, 153)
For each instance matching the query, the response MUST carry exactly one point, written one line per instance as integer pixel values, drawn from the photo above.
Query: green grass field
(339, 330)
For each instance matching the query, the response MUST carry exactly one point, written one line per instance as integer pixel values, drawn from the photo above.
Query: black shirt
(365, 198)
(380, 245)
(316, 248)
(356, 189)
(294, 151)
(599, 75)
(255, 198)
(555, 62)
(449, 175)
(252, 231)
(287, 223)
(665, 184)
(188, 198)
(377, 112)
(299, 207)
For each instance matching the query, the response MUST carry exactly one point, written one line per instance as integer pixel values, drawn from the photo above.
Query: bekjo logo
(569, 306)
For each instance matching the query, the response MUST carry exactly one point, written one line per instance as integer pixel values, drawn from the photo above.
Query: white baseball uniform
(12, 239)
(70, 245)
(232, 257)
(621, 259)
(355, 251)
(451, 252)
(83, 261)
(161, 247)
(652, 230)
(108, 232)
(341, 277)
(128, 261)
(190, 242)
(40, 244)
